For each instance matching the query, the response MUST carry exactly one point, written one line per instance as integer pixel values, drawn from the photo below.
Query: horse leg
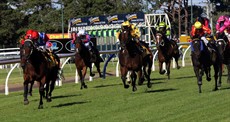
(199, 78)
(208, 74)
(220, 74)
(41, 92)
(90, 70)
(160, 68)
(228, 67)
(176, 57)
(168, 63)
(31, 88)
(124, 72)
(148, 74)
(84, 70)
(52, 85)
(97, 64)
(216, 70)
(26, 101)
(141, 76)
(134, 77)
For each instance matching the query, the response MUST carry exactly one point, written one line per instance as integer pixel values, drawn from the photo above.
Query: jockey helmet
(162, 24)
(126, 23)
(29, 31)
(198, 25)
(34, 35)
(48, 44)
(81, 32)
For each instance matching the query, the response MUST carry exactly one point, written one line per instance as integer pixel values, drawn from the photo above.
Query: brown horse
(82, 60)
(36, 67)
(131, 59)
(166, 51)
(203, 59)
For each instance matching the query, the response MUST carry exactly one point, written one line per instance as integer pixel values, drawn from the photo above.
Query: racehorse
(223, 47)
(166, 50)
(203, 59)
(82, 60)
(131, 59)
(37, 67)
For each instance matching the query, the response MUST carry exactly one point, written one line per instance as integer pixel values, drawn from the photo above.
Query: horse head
(159, 39)
(125, 36)
(25, 51)
(78, 43)
(197, 46)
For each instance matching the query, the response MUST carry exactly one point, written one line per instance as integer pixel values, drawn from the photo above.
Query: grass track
(105, 100)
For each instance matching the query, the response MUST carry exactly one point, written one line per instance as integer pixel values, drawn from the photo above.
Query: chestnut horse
(37, 67)
(203, 59)
(166, 51)
(82, 60)
(131, 59)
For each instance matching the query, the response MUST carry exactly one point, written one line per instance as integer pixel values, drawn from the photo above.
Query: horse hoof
(40, 107)
(29, 94)
(178, 67)
(215, 89)
(92, 75)
(26, 102)
(126, 86)
(85, 86)
(134, 89)
(149, 85)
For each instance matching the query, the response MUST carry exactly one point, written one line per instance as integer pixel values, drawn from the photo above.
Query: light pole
(191, 13)
(62, 17)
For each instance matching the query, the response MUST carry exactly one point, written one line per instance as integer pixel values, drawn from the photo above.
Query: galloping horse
(82, 60)
(131, 59)
(203, 59)
(166, 50)
(36, 67)
(223, 47)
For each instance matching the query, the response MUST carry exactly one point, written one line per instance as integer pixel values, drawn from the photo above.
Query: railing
(59, 83)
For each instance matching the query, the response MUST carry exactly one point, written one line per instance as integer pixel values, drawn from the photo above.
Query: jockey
(135, 33)
(204, 21)
(200, 31)
(85, 39)
(164, 30)
(38, 38)
(223, 25)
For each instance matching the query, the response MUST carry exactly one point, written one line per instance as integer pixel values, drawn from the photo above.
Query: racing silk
(85, 40)
(43, 38)
(199, 33)
(223, 23)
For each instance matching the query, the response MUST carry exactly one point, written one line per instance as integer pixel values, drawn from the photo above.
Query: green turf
(105, 100)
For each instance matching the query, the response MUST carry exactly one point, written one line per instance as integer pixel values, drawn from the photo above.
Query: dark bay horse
(37, 67)
(223, 47)
(82, 60)
(166, 51)
(203, 59)
(131, 59)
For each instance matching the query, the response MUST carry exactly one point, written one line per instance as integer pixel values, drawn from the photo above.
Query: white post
(76, 77)
(154, 57)
(183, 62)
(117, 69)
(7, 79)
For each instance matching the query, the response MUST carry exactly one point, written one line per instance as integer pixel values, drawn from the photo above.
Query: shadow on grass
(184, 77)
(65, 96)
(57, 97)
(70, 104)
(101, 86)
(160, 90)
